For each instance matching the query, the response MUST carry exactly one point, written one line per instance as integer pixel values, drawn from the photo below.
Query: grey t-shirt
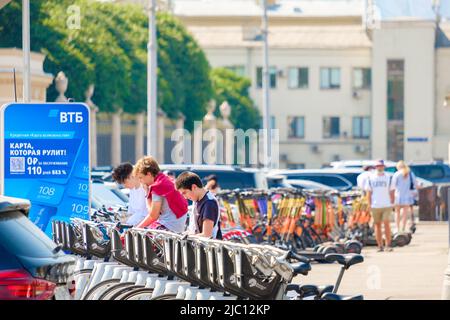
(167, 218)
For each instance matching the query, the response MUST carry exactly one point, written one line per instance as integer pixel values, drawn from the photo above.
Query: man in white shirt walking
(380, 198)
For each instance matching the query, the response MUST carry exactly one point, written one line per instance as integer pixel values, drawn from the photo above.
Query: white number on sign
(83, 187)
(34, 170)
(47, 191)
(79, 208)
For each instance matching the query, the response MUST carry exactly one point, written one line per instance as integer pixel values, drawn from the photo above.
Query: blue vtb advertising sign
(45, 159)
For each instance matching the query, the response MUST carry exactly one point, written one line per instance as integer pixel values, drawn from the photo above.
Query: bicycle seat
(293, 287)
(301, 268)
(334, 296)
(312, 290)
(347, 260)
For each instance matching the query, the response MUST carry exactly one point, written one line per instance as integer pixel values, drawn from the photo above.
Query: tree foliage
(110, 50)
(230, 87)
(53, 42)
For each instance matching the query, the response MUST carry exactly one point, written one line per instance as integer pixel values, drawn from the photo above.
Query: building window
(272, 75)
(361, 127)
(294, 166)
(330, 78)
(395, 109)
(331, 127)
(239, 70)
(296, 127)
(298, 78)
(273, 123)
(362, 78)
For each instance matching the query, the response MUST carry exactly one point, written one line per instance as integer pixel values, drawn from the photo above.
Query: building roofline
(232, 20)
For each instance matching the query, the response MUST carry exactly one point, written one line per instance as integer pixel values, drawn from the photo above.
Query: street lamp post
(446, 284)
(152, 66)
(26, 50)
(266, 84)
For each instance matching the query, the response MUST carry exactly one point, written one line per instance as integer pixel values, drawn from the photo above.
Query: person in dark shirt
(204, 220)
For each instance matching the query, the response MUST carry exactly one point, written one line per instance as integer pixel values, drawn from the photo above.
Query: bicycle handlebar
(297, 257)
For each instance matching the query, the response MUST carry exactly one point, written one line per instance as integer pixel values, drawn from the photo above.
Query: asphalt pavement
(415, 271)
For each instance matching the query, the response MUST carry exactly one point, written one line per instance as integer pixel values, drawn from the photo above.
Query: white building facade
(350, 79)
(341, 88)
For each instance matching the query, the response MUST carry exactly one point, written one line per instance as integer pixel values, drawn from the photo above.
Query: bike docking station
(45, 159)
(120, 262)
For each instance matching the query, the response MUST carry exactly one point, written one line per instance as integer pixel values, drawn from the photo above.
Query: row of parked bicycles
(119, 262)
(311, 223)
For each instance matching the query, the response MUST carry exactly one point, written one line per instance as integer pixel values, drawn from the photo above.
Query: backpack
(412, 185)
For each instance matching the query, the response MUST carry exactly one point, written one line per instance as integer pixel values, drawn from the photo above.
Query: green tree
(184, 69)
(228, 86)
(96, 41)
(52, 42)
(110, 50)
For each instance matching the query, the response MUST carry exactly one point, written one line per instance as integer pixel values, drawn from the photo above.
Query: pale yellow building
(12, 59)
(4, 3)
(350, 79)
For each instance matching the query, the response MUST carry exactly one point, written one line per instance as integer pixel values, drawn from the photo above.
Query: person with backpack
(167, 207)
(380, 196)
(404, 184)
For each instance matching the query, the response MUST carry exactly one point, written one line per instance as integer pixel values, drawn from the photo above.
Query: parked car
(340, 179)
(107, 194)
(103, 173)
(277, 181)
(32, 267)
(229, 177)
(308, 185)
(436, 172)
(357, 164)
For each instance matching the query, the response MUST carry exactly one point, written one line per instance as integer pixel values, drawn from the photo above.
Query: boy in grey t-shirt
(167, 218)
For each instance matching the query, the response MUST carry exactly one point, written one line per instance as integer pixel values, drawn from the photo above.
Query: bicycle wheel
(307, 240)
(138, 294)
(120, 293)
(315, 236)
(298, 243)
(166, 297)
(111, 291)
(82, 271)
(98, 287)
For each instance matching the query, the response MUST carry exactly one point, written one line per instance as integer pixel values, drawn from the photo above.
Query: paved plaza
(412, 272)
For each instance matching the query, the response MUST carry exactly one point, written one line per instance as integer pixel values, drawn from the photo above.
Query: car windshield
(21, 237)
(428, 172)
(331, 181)
(227, 179)
(107, 196)
(352, 177)
(309, 185)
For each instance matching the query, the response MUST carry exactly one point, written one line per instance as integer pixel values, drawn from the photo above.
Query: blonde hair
(401, 165)
(146, 165)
